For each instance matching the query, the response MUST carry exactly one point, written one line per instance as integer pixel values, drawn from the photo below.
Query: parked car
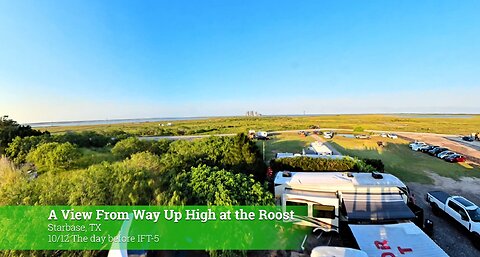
(437, 150)
(460, 209)
(392, 136)
(328, 134)
(427, 148)
(444, 154)
(383, 135)
(262, 135)
(455, 158)
(468, 138)
(363, 136)
(416, 145)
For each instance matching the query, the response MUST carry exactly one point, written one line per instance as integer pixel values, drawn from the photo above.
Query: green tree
(205, 185)
(53, 156)
(10, 129)
(19, 148)
(237, 154)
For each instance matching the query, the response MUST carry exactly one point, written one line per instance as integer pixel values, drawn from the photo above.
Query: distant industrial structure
(252, 114)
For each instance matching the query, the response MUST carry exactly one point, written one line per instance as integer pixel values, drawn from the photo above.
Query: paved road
(187, 137)
(190, 137)
(470, 149)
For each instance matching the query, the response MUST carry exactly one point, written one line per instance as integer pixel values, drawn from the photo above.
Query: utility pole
(263, 150)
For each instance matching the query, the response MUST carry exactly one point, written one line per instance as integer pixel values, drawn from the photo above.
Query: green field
(431, 124)
(408, 165)
(397, 157)
(285, 142)
(399, 160)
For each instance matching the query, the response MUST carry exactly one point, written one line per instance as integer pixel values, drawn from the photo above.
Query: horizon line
(147, 119)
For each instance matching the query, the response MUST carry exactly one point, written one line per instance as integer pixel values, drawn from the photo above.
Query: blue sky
(78, 60)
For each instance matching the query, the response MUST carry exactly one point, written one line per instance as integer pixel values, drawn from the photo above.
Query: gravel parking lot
(455, 143)
(452, 238)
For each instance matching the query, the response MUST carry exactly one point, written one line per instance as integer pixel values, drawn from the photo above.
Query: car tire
(476, 239)
(435, 209)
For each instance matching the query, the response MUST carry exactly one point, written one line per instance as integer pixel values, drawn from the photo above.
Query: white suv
(415, 146)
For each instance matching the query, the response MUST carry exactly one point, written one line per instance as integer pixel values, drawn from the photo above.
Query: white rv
(331, 197)
(373, 206)
(262, 135)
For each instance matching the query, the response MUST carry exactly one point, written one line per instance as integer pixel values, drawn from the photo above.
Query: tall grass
(8, 171)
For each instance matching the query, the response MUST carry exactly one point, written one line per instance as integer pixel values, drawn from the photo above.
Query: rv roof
(337, 178)
(404, 236)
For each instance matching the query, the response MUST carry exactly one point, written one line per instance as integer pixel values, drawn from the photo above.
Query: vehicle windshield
(474, 215)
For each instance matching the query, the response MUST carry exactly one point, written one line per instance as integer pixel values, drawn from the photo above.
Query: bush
(237, 154)
(205, 185)
(377, 164)
(131, 145)
(19, 148)
(86, 139)
(54, 156)
(308, 164)
(358, 129)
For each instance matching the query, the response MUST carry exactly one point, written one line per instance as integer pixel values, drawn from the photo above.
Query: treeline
(10, 129)
(20, 147)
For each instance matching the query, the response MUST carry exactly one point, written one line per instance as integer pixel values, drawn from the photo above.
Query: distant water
(438, 116)
(347, 135)
(105, 122)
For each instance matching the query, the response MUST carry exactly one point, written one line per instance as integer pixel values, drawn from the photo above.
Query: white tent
(321, 148)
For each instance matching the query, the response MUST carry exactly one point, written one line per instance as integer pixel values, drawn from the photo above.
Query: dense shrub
(205, 185)
(377, 164)
(52, 156)
(19, 148)
(358, 129)
(131, 145)
(237, 154)
(308, 164)
(88, 139)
